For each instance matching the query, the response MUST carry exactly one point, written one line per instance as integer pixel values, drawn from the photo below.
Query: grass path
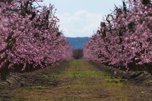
(79, 80)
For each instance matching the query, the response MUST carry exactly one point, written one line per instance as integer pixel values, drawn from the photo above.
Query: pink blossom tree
(30, 36)
(125, 38)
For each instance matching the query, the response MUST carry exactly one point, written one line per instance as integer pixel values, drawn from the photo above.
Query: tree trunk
(4, 71)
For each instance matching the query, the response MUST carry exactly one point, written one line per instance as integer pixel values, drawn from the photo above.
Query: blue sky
(81, 18)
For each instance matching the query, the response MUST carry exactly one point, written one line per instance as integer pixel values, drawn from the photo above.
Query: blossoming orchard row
(125, 38)
(30, 36)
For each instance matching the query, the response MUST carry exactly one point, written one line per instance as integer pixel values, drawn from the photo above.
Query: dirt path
(77, 80)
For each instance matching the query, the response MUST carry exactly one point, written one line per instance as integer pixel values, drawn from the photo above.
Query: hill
(78, 42)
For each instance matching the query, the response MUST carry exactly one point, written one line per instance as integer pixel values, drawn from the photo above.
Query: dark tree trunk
(4, 71)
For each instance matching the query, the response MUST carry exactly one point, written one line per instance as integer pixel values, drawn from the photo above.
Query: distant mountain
(78, 42)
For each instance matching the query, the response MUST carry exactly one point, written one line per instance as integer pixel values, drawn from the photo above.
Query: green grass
(16, 99)
(51, 76)
(39, 87)
(79, 81)
(12, 99)
(81, 69)
(84, 74)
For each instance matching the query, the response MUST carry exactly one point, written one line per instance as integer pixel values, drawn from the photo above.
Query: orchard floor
(76, 80)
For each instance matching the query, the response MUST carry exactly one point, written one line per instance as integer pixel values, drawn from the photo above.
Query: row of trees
(125, 38)
(30, 36)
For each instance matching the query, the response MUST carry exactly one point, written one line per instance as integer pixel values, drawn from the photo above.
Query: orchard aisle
(77, 80)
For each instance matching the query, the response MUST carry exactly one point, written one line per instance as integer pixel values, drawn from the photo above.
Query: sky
(81, 18)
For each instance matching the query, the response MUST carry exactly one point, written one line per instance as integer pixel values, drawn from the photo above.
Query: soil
(75, 80)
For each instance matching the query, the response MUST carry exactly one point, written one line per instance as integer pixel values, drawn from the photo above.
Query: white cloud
(79, 24)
